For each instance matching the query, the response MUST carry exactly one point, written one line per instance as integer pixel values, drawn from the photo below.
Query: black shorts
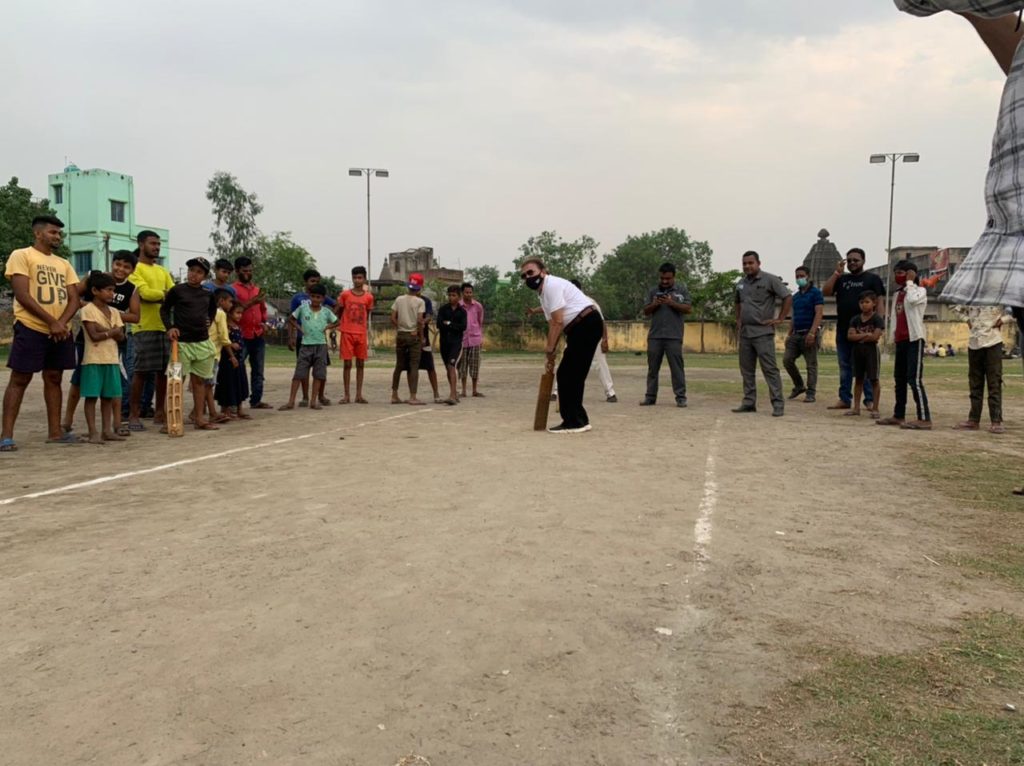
(426, 361)
(866, 361)
(450, 352)
(152, 351)
(33, 351)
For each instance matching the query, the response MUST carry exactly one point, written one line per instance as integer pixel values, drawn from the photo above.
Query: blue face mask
(801, 282)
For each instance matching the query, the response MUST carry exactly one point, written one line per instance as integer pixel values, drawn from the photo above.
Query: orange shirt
(355, 311)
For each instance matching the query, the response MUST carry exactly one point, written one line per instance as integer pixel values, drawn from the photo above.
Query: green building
(98, 210)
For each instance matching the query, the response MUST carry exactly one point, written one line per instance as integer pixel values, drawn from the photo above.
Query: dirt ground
(369, 583)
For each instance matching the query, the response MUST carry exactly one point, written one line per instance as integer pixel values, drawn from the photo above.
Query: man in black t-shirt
(451, 324)
(847, 288)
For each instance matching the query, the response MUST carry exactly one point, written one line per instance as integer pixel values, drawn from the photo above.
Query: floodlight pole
(877, 159)
(368, 172)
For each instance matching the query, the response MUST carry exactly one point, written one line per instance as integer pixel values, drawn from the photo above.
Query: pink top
(474, 335)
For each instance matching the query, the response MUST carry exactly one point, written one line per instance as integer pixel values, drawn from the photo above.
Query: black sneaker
(612, 399)
(796, 392)
(745, 408)
(680, 403)
(809, 399)
(647, 403)
(562, 428)
(778, 412)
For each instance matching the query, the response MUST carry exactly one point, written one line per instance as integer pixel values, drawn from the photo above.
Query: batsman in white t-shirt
(573, 314)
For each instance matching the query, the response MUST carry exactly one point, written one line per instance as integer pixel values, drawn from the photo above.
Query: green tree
(17, 209)
(279, 263)
(569, 260)
(621, 282)
(714, 300)
(234, 210)
(485, 281)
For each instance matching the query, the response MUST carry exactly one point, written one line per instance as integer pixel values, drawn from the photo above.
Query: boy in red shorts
(354, 307)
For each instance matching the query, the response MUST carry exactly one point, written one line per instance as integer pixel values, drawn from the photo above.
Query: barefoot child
(232, 385)
(354, 308)
(187, 312)
(316, 319)
(126, 302)
(220, 338)
(451, 324)
(865, 329)
(101, 370)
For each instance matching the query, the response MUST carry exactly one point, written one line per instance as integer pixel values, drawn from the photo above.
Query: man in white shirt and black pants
(571, 312)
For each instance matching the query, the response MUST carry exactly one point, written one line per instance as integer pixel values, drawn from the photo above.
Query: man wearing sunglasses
(573, 314)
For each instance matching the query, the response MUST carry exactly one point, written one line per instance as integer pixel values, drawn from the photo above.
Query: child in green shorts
(101, 367)
(188, 311)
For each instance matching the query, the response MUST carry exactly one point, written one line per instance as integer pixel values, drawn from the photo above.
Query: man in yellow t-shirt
(151, 348)
(44, 302)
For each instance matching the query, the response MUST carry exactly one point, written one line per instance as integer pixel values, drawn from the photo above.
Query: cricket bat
(540, 416)
(175, 395)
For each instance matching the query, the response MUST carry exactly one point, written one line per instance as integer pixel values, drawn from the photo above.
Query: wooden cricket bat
(175, 408)
(540, 416)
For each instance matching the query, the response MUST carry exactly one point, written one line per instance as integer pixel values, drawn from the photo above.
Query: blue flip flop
(68, 438)
(8, 445)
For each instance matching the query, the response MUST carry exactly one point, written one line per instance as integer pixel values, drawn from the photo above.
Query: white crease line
(702, 527)
(188, 461)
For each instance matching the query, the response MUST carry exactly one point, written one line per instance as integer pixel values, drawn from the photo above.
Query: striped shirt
(993, 272)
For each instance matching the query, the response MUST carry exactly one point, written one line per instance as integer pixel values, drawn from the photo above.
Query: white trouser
(601, 362)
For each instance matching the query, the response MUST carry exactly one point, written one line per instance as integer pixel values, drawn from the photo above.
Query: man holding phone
(667, 304)
(847, 288)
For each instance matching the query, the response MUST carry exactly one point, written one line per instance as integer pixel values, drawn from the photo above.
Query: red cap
(416, 281)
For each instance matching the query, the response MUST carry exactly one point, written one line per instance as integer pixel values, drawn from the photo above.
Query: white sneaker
(562, 428)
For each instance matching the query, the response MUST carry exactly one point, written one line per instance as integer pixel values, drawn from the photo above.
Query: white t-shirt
(557, 293)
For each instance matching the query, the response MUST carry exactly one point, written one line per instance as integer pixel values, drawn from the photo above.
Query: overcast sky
(747, 123)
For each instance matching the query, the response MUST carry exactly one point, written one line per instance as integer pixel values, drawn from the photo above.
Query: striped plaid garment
(993, 272)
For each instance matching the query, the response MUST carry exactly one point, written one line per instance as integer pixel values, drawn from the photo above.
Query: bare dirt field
(371, 584)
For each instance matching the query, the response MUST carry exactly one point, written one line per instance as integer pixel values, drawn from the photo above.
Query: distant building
(822, 258)
(399, 266)
(98, 210)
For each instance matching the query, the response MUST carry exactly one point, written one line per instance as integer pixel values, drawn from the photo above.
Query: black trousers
(985, 366)
(580, 346)
(908, 370)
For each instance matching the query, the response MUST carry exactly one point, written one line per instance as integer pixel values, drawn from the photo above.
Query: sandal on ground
(966, 425)
(917, 425)
(262, 406)
(8, 445)
(66, 428)
(325, 401)
(889, 422)
(68, 438)
(478, 394)
(997, 428)
(1017, 491)
(361, 400)
(416, 403)
(136, 427)
(123, 430)
(852, 414)
(206, 427)
(450, 402)
(284, 407)
(875, 416)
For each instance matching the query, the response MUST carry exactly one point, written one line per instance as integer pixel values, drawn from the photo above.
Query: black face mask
(534, 282)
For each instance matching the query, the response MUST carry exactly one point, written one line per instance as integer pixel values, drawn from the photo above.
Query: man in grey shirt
(756, 318)
(666, 305)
